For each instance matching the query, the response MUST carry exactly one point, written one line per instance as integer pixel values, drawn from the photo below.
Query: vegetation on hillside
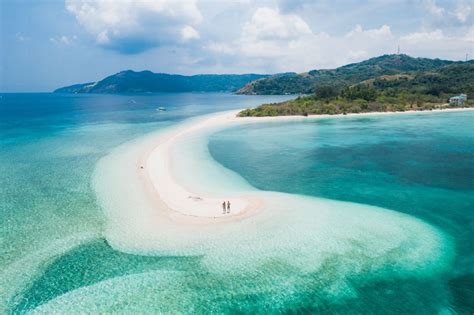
(401, 92)
(306, 83)
(149, 82)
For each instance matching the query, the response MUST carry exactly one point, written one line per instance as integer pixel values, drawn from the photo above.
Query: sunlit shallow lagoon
(55, 258)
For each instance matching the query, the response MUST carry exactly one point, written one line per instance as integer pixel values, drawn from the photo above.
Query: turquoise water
(55, 257)
(49, 146)
(418, 164)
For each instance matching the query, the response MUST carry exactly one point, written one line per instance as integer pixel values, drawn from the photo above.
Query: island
(130, 81)
(390, 83)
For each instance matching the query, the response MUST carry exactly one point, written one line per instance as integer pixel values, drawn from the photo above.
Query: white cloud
(357, 54)
(221, 48)
(188, 33)
(417, 37)
(272, 41)
(268, 24)
(21, 38)
(63, 39)
(132, 26)
(102, 38)
(358, 31)
(436, 44)
(268, 33)
(247, 35)
(463, 11)
(433, 8)
(469, 37)
(287, 43)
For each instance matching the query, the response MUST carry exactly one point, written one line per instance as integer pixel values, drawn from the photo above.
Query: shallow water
(418, 164)
(55, 240)
(49, 147)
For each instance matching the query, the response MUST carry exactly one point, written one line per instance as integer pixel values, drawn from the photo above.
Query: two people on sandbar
(226, 206)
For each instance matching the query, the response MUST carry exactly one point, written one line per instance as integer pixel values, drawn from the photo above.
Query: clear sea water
(54, 257)
(420, 164)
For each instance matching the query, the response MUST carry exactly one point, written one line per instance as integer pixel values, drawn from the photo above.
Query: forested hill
(421, 90)
(146, 81)
(306, 83)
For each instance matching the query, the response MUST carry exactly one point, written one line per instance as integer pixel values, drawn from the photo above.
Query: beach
(223, 157)
(155, 168)
(159, 200)
(301, 215)
(180, 203)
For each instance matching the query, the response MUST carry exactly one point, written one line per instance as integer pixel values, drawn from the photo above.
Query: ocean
(56, 258)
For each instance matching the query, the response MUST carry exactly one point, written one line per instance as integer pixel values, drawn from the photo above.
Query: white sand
(148, 212)
(178, 200)
(155, 169)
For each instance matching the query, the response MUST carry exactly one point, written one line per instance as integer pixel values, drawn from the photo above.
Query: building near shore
(458, 99)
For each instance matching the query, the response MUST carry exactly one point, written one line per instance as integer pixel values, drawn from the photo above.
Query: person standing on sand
(228, 206)
(223, 207)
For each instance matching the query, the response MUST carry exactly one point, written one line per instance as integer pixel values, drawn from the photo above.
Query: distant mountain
(146, 81)
(307, 82)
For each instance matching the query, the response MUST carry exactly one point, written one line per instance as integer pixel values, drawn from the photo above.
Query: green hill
(306, 83)
(411, 90)
(146, 81)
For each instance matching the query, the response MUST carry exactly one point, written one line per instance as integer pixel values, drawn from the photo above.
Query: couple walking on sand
(224, 206)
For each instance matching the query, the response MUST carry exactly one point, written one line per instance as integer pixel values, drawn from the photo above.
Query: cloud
(433, 8)
(358, 31)
(270, 36)
(436, 43)
(268, 24)
(267, 33)
(21, 38)
(417, 37)
(65, 40)
(469, 37)
(286, 43)
(463, 11)
(188, 33)
(133, 26)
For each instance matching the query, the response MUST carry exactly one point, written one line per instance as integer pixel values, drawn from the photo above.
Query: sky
(46, 44)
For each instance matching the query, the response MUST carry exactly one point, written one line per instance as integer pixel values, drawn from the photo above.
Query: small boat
(161, 109)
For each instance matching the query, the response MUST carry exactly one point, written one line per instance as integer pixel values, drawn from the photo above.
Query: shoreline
(148, 211)
(316, 116)
(180, 204)
(177, 202)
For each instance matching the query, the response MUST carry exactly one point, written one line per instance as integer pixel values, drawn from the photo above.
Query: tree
(325, 92)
